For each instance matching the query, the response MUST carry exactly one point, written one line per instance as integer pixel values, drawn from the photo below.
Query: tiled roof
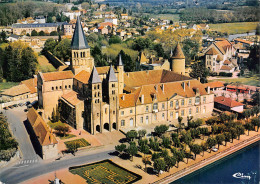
(79, 40)
(243, 41)
(177, 53)
(225, 67)
(83, 76)
(227, 101)
(72, 97)
(219, 58)
(142, 58)
(31, 84)
(227, 62)
(162, 92)
(215, 84)
(102, 69)
(16, 90)
(61, 75)
(40, 128)
(223, 45)
(140, 78)
(212, 51)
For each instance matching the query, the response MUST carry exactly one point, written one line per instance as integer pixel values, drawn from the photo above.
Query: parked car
(6, 108)
(25, 110)
(214, 149)
(15, 105)
(10, 106)
(21, 104)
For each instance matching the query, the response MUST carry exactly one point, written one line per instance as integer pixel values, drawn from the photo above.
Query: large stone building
(99, 98)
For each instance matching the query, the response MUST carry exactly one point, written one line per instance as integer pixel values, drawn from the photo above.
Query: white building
(113, 20)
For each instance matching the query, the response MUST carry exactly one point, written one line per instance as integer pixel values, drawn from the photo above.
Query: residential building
(112, 20)
(227, 104)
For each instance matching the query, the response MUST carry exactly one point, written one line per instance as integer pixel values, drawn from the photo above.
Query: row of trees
(17, 62)
(8, 145)
(167, 151)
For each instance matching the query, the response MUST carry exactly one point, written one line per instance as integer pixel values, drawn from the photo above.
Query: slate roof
(38, 25)
(94, 76)
(177, 53)
(79, 40)
(120, 62)
(112, 76)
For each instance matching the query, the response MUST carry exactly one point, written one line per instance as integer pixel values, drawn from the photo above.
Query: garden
(165, 150)
(78, 142)
(105, 172)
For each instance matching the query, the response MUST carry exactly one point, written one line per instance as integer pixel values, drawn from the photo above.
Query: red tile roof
(227, 62)
(215, 84)
(61, 75)
(212, 51)
(31, 84)
(83, 76)
(224, 67)
(227, 101)
(72, 97)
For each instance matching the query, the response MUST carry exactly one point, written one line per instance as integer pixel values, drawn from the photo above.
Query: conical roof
(111, 75)
(120, 62)
(177, 53)
(94, 78)
(79, 40)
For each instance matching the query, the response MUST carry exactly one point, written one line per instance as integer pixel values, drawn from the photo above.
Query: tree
(166, 142)
(227, 137)
(159, 164)
(142, 43)
(175, 139)
(240, 130)
(49, 45)
(53, 33)
(114, 40)
(204, 131)
(141, 133)
(186, 137)
(199, 71)
(256, 98)
(159, 49)
(34, 33)
(120, 148)
(129, 64)
(256, 123)
(154, 145)
(187, 155)
(196, 149)
(233, 132)
(179, 155)
(73, 147)
(62, 129)
(170, 161)
(132, 150)
(190, 49)
(161, 129)
(204, 147)
(214, 129)
(132, 134)
(63, 50)
(3, 37)
(41, 33)
(211, 142)
(195, 132)
(179, 123)
(220, 138)
(249, 126)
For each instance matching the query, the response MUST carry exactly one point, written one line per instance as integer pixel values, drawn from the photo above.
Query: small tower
(120, 69)
(96, 102)
(113, 98)
(178, 60)
(81, 58)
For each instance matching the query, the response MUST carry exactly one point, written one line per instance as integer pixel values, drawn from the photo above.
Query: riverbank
(219, 155)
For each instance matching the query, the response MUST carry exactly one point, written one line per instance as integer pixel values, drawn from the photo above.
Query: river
(234, 36)
(242, 167)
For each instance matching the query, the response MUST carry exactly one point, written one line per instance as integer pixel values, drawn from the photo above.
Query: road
(15, 118)
(20, 174)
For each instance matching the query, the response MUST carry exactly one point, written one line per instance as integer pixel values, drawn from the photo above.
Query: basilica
(106, 98)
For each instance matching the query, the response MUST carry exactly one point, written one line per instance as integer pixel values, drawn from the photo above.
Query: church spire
(94, 76)
(120, 62)
(112, 76)
(79, 40)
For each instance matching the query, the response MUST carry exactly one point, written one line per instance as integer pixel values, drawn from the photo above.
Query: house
(183, 25)
(13, 38)
(215, 85)
(98, 15)
(227, 104)
(46, 144)
(242, 89)
(102, 30)
(93, 30)
(245, 43)
(72, 14)
(112, 20)
(124, 16)
(109, 14)
(218, 57)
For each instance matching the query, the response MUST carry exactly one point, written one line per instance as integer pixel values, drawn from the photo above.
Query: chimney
(142, 99)
(199, 79)
(162, 86)
(183, 85)
(208, 90)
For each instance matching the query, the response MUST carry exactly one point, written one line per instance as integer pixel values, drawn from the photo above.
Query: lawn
(173, 17)
(105, 172)
(82, 143)
(252, 81)
(53, 125)
(234, 28)
(7, 85)
(45, 65)
(68, 136)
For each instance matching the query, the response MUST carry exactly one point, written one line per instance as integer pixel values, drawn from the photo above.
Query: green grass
(252, 81)
(53, 125)
(105, 172)
(82, 143)
(173, 17)
(6, 85)
(234, 28)
(68, 136)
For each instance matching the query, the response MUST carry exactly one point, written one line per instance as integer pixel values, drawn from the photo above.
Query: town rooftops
(223, 45)
(16, 90)
(38, 25)
(225, 67)
(61, 75)
(79, 40)
(83, 76)
(215, 84)
(244, 41)
(227, 101)
(40, 128)
(31, 84)
(212, 51)
(72, 97)
(227, 62)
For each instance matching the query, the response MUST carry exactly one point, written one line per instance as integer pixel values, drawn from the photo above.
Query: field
(253, 81)
(6, 85)
(82, 143)
(234, 28)
(173, 17)
(105, 172)
(44, 65)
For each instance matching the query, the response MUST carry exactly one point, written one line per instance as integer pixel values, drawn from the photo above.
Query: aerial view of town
(129, 91)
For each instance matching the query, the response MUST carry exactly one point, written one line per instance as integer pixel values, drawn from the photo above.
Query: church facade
(107, 98)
